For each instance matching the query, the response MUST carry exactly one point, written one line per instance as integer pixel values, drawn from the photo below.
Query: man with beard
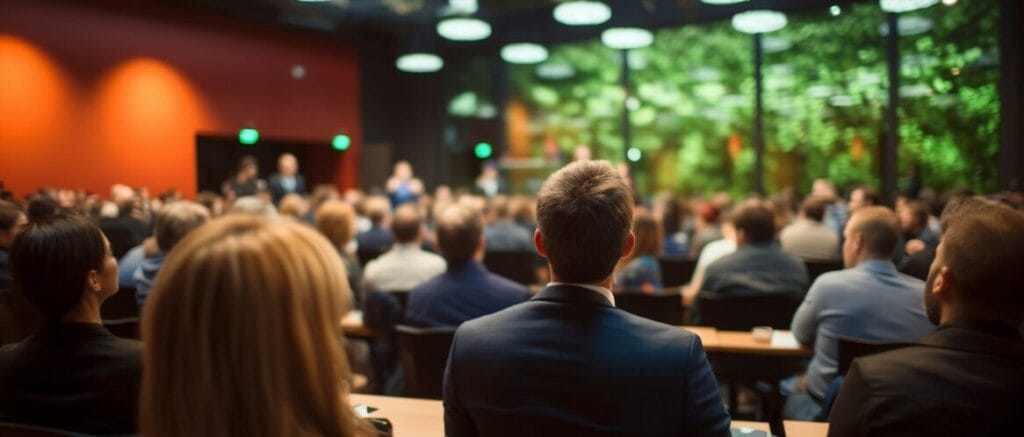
(967, 377)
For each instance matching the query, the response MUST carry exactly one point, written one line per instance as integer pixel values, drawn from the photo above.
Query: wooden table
(796, 428)
(743, 342)
(352, 325)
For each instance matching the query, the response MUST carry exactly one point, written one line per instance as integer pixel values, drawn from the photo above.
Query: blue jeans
(800, 405)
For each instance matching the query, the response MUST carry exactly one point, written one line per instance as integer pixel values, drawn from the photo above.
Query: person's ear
(92, 282)
(942, 284)
(630, 244)
(538, 242)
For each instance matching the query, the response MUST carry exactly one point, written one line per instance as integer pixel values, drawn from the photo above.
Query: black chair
(366, 255)
(424, 355)
(18, 318)
(516, 266)
(121, 305)
(8, 429)
(742, 313)
(403, 297)
(665, 308)
(676, 272)
(817, 268)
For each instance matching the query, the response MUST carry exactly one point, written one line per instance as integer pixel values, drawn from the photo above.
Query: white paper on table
(785, 340)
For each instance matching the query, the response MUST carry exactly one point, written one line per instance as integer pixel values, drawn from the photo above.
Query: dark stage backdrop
(217, 160)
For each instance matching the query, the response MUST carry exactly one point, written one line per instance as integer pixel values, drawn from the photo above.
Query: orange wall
(91, 95)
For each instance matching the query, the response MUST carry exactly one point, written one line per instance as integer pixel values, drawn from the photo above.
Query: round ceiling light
(524, 53)
(898, 6)
(419, 63)
(627, 38)
(582, 13)
(463, 29)
(759, 21)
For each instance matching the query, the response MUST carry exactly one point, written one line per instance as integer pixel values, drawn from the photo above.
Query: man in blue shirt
(869, 300)
(466, 290)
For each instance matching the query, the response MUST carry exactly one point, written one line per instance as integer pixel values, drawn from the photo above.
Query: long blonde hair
(242, 335)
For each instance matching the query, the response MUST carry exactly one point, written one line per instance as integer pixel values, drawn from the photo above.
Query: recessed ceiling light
(759, 21)
(582, 13)
(463, 29)
(524, 53)
(627, 38)
(898, 6)
(419, 63)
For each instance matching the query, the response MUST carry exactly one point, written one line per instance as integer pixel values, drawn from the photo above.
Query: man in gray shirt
(869, 300)
(807, 238)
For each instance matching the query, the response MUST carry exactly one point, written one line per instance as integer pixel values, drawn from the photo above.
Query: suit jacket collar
(571, 294)
(978, 337)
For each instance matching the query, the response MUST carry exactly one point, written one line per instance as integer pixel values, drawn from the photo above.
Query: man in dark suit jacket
(72, 374)
(967, 377)
(568, 362)
(287, 180)
(466, 290)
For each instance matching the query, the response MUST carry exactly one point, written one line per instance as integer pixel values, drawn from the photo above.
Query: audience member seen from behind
(12, 219)
(378, 238)
(676, 238)
(336, 220)
(808, 238)
(712, 252)
(242, 335)
(965, 378)
(173, 222)
(639, 272)
(406, 265)
(582, 366)
(918, 236)
(287, 180)
(759, 267)
(502, 233)
(466, 290)
(869, 300)
(72, 374)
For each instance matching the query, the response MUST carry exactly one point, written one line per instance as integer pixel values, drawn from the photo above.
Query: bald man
(287, 180)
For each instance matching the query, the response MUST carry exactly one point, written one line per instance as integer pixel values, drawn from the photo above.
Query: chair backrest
(742, 313)
(366, 256)
(852, 348)
(424, 354)
(8, 429)
(18, 318)
(665, 308)
(125, 328)
(676, 272)
(816, 268)
(516, 266)
(121, 305)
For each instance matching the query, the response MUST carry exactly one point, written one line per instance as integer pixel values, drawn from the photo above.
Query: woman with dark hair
(72, 374)
(640, 270)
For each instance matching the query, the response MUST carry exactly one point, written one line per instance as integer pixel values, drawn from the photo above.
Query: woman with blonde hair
(242, 335)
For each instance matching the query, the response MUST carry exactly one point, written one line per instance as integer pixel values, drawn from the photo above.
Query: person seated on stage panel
(336, 220)
(246, 181)
(808, 238)
(712, 252)
(965, 378)
(406, 265)
(502, 233)
(173, 222)
(72, 374)
(287, 180)
(869, 300)
(402, 186)
(242, 335)
(466, 290)
(639, 272)
(759, 267)
(568, 362)
(12, 220)
(378, 238)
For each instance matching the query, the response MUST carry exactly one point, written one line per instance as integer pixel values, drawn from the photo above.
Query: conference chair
(381, 313)
(8, 429)
(18, 318)
(666, 307)
(817, 268)
(741, 313)
(366, 255)
(676, 272)
(849, 350)
(424, 354)
(516, 266)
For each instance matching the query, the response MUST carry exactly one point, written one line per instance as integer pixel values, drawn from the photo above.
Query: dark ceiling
(405, 25)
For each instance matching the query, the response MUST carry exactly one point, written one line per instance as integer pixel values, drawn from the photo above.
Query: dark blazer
(966, 379)
(277, 189)
(72, 376)
(464, 292)
(756, 269)
(375, 239)
(569, 363)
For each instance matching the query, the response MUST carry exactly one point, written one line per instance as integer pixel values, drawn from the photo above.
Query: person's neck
(88, 311)
(605, 283)
(866, 257)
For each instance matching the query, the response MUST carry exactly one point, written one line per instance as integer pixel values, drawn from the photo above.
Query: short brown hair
(584, 214)
(919, 211)
(983, 248)
(879, 227)
(756, 219)
(407, 223)
(813, 207)
(459, 228)
(648, 234)
(177, 219)
(9, 214)
(337, 221)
